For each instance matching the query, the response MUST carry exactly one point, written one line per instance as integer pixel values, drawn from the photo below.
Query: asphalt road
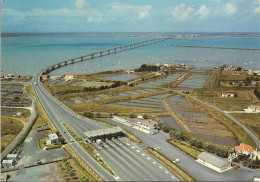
(56, 112)
(197, 170)
(132, 162)
(125, 162)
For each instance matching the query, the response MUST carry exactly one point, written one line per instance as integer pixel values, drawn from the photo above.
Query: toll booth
(103, 134)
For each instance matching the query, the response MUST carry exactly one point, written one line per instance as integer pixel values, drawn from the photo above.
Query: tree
(145, 116)
(199, 144)
(210, 147)
(88, 114)
(84, 178)
(171, 133)
(193, 141)
(177, 135)
(98, 115)
(131, 115)
(165, 128)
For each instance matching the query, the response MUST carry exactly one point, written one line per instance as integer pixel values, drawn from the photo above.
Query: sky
(46, 16)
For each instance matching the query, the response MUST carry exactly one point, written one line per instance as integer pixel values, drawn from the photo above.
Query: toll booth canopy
(103, 134)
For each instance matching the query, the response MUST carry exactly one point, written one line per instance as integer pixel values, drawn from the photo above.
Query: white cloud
(257, 10)
(229, 9)
(203, 12)
(127, 11)
(81, 4)
(16, 15)
(181, 13)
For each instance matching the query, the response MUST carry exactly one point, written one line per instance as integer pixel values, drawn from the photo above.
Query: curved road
(255, 139)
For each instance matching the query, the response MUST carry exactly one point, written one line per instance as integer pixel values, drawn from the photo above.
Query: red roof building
(244, 149)
(45, 76)
(254, 108)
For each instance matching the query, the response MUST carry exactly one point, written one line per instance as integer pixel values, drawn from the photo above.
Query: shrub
(88, 114)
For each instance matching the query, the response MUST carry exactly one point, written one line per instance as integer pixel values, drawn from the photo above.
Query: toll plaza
(103, 134)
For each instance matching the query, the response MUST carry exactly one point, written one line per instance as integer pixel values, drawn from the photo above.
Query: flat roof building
(53, 138)
(147, 126)
(214, 162)
(12, 157)
(8, 163)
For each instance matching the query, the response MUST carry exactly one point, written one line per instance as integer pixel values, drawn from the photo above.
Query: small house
(53, 138)
(214, 162)
(17, 76)
(44, 77)
(250, 72)
(224, 94)
(244, 149)
(254, 108)
(69, 76)
(19, 114)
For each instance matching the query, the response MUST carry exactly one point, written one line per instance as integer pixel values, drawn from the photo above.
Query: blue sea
(26, 55)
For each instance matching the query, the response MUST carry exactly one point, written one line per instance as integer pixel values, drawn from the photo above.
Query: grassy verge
(182, 175)
(132, 137)
(250, 120)
(92, 152)
(81, 168)
(185, 147)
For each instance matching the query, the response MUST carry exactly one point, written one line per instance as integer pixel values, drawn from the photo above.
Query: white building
(12, 157)
(214, 162)
(53, 138)
(147, 126)
(253, 108)
(8, 163)
(257, 72)
(224, 94)
(69, 76)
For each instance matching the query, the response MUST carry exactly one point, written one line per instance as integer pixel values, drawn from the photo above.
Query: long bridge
(101, 53)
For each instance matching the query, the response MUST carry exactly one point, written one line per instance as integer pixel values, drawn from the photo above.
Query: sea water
(26, 55)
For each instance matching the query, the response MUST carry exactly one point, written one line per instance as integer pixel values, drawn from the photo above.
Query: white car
(177, 161)
(157, 148)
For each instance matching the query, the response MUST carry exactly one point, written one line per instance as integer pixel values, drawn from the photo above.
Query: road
(11, 146)
(197, 170)
(132, 166)
(55, 111)
(254, 138)
(127, 158)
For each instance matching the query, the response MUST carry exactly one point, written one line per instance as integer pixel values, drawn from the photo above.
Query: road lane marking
(148, 158)
(154, 162)
(132, 147)
(160, 167)
(173, 177)
(166, 172)
(143, 154)
(137, 150)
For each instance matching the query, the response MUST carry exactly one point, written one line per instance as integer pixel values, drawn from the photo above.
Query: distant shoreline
(133, 34)
(209, 47)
